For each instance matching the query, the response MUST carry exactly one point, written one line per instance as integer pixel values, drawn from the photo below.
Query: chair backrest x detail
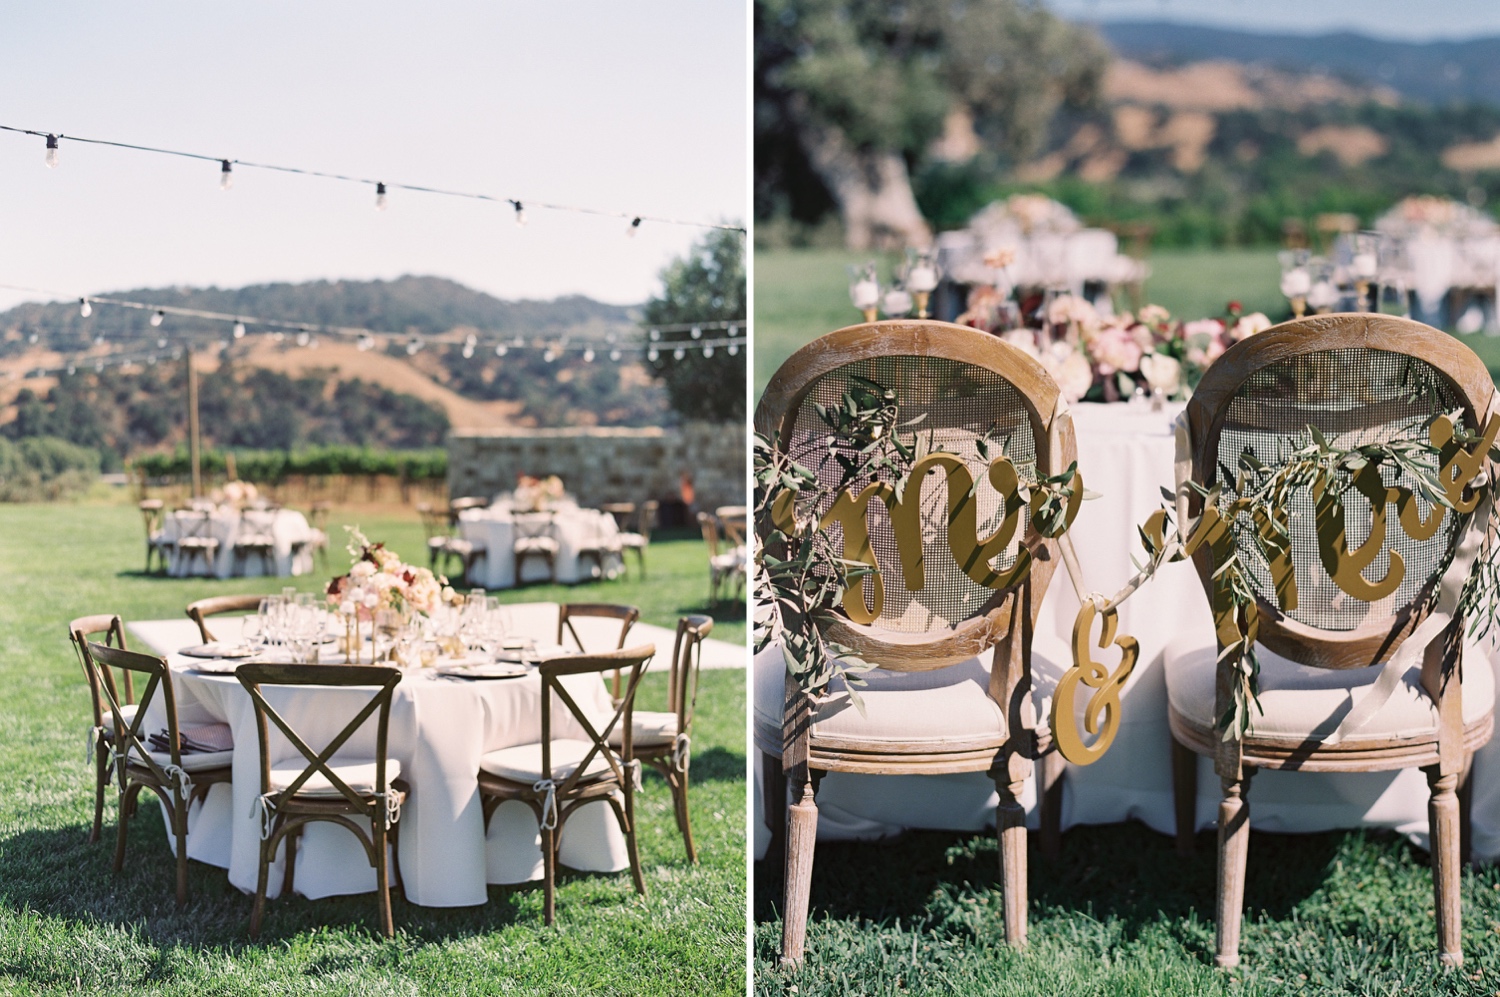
(130, 739)
(632, 661)
(80, 632)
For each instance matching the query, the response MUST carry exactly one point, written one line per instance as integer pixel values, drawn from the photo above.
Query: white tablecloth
(1126, 455)
(289, 532)
(438, 731)
(574, 529)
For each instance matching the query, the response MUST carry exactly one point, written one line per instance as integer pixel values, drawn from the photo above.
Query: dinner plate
(485, 670)
(219, 649)
(217, 666)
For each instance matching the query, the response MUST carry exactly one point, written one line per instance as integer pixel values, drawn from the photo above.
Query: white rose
(361, 571)
(1162, 372)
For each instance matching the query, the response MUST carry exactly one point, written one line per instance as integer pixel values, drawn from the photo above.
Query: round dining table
(439, 729)
(1125, 454)
(575, 529)
(288, 530)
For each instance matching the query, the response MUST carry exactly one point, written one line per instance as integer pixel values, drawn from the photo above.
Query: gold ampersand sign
(1101, 716)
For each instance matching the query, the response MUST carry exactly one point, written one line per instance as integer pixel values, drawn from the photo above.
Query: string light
(679, 353)
(734, 349)
(226, 165)
(655, 335)
(708, 351)
(549, 356)
(157, 317)
(520, 214)
(239, 330)
(226, 175)
(500, 350)
(614, 355)
(84, 308)
(653, 354)
(696, 332)
(380, 199)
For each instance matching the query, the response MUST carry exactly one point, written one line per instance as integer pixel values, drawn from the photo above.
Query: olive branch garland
(1264, 523)
(800, 577)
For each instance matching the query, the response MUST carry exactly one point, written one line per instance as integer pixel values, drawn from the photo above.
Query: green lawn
(801, 294)
(68, 924)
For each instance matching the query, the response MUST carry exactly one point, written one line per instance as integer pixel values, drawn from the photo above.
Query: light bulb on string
(278, 337)
(697, 333)
(226, 175)
(730, 332)
(588, 355)
(161, 344)
(501, 350)
(303, 339)
(413, 346)
(734, 349)
(85, 308)
(614, 355)
(635, 224)
(157, 317)
(679, 353)
(379, 196)
(708, 351)
(51, 151)
(655, 335)
(468, 351)
(549, 356)
(652, 354)
(520, 214)
(99, 367)
(518, 342)
(239, 330)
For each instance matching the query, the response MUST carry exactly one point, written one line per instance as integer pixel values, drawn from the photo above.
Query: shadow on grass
(58, 872)
(1123, 872)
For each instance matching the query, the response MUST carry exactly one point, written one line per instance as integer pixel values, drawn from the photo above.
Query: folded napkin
(203, 738)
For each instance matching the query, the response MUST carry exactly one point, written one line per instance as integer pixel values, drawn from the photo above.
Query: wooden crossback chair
(102, 734)
(536, 537)
(195, 541)
(567, 612)
(556, 776)
(962, 385)
(639, 539)
(317, 521)
(255, 538)
(157, 546)
(177, 779)
(328, 787)
(1357, 379)
(220, 605)
(726, 568)
(664, 740)
(438, 532)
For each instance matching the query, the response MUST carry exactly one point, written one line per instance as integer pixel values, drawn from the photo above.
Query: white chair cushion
(631, 540)
(649, 730)
(1300, 701)
(357, 773)
(523, 763)
(942, 705)
(195, 761)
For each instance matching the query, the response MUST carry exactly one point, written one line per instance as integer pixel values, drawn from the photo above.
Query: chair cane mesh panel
(1353, 396)
(960, 402)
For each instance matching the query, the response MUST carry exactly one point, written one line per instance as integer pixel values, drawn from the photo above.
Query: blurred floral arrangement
(238, 493)
(378, 579)
(1118, 357)
(535, 494)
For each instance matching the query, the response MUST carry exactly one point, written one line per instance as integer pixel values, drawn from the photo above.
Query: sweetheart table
(1125, 454)
(439, 729)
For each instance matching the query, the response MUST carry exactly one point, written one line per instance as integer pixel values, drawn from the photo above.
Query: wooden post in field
(192, 387)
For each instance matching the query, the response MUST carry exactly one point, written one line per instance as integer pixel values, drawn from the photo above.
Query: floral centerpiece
(379, 580)
(238, 494)
(1098, 357)
(535, 494)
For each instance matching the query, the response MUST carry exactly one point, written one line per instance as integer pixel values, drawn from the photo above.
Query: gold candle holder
(1299, 306)
(921, 299)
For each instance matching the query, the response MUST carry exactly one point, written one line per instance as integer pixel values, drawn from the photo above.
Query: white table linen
(289, 531)
(574, 529)
(439, 729)
(1126, 455)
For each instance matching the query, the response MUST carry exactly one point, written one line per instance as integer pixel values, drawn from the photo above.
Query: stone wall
(606, 465)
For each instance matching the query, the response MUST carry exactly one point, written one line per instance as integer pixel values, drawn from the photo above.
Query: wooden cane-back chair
(101, 737)
(567, 612)
(174, 777)
(961, 385)
(556, 776)
(220, 605)
(1357, 379)
(322, 785)
(664, 740)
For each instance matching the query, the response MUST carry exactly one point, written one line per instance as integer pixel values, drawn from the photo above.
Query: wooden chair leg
(1185, 796)
(120, 829)
(102, 772)
(289, 872)
(179, 828)
(631, 846)
(396, 855)
(1234, 847)
(1050, 790)
(773, 787)
(382, 879)
(801, 840)
(1465, 811)
(1442, 819)
(549, 900)
(680, 804)
(263, 875)
(1010, 828)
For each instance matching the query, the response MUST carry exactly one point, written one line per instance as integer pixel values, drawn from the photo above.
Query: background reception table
(1125, 454)
(288, 529)
(575, 529)
(438, 731)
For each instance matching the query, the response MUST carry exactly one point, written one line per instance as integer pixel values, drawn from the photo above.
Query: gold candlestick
(921, 298)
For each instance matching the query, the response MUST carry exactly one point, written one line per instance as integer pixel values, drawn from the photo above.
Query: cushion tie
(180, 776)
(392, 806)
(549, 802)
(680, 749)
(264, 807)
(634, 765)
(92, 740)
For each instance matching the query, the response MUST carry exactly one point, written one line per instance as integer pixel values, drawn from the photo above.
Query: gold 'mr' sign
(972, 552)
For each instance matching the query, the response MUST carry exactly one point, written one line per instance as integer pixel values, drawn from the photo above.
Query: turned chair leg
(1010, 828)
(1465, 811)
(1050, 791)
(1442, 819)
(773, 792)
(801, 839)
(1185, 795)
(1234, 847)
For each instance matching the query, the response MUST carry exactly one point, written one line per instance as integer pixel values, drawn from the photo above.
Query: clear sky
(1409, 20)
(637, 107)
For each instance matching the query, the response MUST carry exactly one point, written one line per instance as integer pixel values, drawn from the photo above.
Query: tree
(706, 285)
(853, 92)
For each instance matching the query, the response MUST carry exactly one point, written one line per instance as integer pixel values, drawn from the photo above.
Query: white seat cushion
(357, 773)
(127, 710)
(195, 761)
(648, 730)
(523, 763)
(631, 540)
(1300, 701)
(942, 705)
